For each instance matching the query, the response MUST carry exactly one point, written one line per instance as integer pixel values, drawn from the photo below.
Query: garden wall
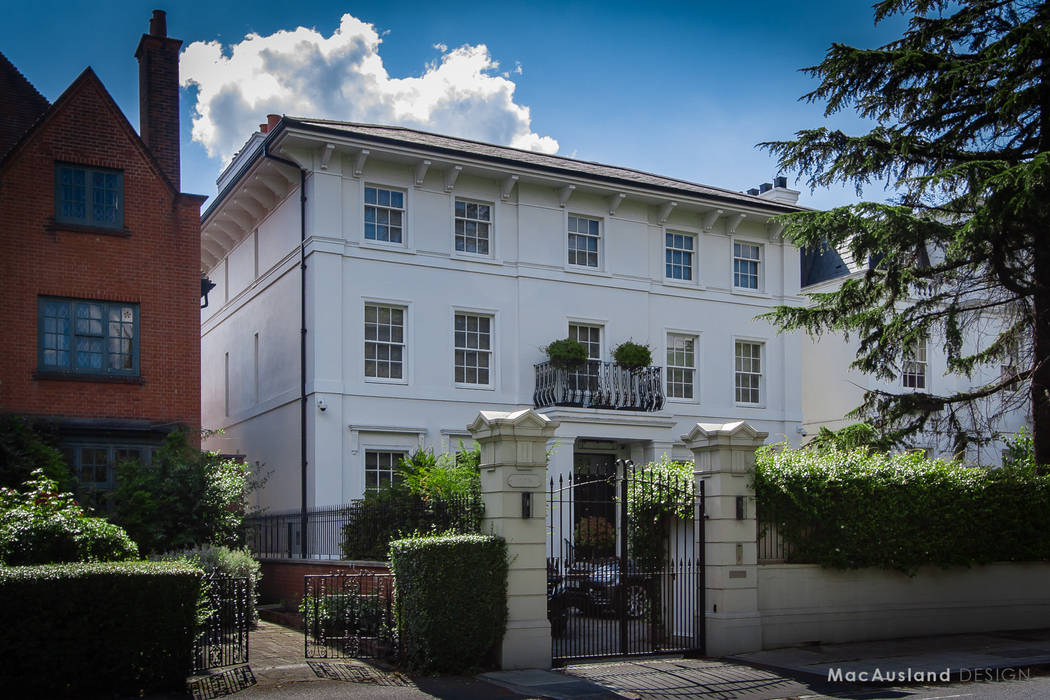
(801, 603)
(282, 579)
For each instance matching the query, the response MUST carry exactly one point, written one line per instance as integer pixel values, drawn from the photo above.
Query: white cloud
(302, 73)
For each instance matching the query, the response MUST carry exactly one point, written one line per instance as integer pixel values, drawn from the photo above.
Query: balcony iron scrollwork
(599, 385)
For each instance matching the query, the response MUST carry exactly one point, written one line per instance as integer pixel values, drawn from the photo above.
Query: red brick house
(99, 264)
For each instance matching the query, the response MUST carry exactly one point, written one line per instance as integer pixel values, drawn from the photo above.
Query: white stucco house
(831, 389)
(378, 286)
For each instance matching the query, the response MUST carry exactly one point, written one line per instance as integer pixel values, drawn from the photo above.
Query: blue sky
(681, 89)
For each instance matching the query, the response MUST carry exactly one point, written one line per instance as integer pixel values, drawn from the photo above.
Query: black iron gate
(625, 561)
(223, 639)
(349, 616)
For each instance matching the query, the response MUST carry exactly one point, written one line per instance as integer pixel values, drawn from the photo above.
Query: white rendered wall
(801, 603)
(254, 331)
(532, 295)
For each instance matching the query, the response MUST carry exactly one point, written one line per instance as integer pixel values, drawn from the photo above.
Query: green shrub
(183, 498)
(97, 629)
(218, 559)
(451, 600)
(42, 526)
(431, 494)
(630, 355)
(854, 509)
(566, 354)
(26, 445)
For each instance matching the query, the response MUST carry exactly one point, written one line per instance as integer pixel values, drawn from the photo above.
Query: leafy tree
(26, 445)
(184, 498)
(961, 106)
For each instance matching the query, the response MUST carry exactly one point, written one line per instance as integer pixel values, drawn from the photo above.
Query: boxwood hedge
(116, 628)
(451, 600)
(854, 509)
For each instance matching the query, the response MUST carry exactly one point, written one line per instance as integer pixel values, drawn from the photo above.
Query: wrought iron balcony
(599, 385)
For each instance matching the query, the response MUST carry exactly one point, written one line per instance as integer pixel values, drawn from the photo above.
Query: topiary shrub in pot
(566, 354)
(632, 356)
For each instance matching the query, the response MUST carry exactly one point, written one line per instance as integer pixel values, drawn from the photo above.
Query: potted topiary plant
(632, 356)
(566, 354)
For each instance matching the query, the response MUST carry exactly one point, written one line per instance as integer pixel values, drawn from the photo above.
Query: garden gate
(223, 639)
(349, 616)
(625, 561)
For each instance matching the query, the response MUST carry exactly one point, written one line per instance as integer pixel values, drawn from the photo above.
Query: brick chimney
(158, 56)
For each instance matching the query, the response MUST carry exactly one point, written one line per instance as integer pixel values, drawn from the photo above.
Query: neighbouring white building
(831, 389)
(421, 276)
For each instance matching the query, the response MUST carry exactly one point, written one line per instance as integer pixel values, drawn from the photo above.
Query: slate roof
(22, 104)
(515, 156)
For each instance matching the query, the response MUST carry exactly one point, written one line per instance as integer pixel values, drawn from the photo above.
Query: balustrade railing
(599, 385)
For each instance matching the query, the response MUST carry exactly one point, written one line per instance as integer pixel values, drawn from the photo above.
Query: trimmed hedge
(118, 628)
(855, 509)
(451, 600)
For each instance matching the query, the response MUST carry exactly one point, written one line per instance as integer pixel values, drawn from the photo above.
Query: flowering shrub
(40, 525)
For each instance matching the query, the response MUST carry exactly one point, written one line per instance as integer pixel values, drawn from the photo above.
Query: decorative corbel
(261, 196)
(776, 230)
(507, 186)
(275, 183)
(451, 175)
(326, 155)
(421, 171)
(734, 222)
(665, 211)
(615, 201)
(359, 162)
(708, 218)
(248, 204)
(564, 193)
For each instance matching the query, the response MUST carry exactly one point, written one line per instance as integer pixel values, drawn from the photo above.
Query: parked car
(593, 588)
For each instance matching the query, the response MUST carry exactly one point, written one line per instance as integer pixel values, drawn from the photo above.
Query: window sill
(59, 227)
(469, 257)
(585, 270)
(103, 378)
(476, 387)
(750, 405)
(380, 245)
(758, 293)
(386, 380)
(687, 402)
(682, 284)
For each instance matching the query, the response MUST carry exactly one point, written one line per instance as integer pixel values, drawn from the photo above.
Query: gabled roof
(23, 105)
(88, 80)
(515, 156)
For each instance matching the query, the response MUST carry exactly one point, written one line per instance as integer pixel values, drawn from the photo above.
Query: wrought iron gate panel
(349, 616)
(624, 573)
(223, 639)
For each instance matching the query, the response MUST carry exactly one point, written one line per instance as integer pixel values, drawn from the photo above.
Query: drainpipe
(302, 342)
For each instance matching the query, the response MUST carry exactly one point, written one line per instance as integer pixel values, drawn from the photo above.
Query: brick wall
(156, 265)
(282, 579)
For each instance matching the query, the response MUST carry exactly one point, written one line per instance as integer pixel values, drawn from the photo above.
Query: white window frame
(694, 266)
(762, 371)
(695, 337)
(392, 470)
(761, 266)
(493, 349)
(491, 254)
(406, 201)
(600, 253)
(599, 325)
(909, 364)
(406, 340)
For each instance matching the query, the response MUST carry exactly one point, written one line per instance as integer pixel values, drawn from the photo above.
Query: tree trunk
(1041, 356)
